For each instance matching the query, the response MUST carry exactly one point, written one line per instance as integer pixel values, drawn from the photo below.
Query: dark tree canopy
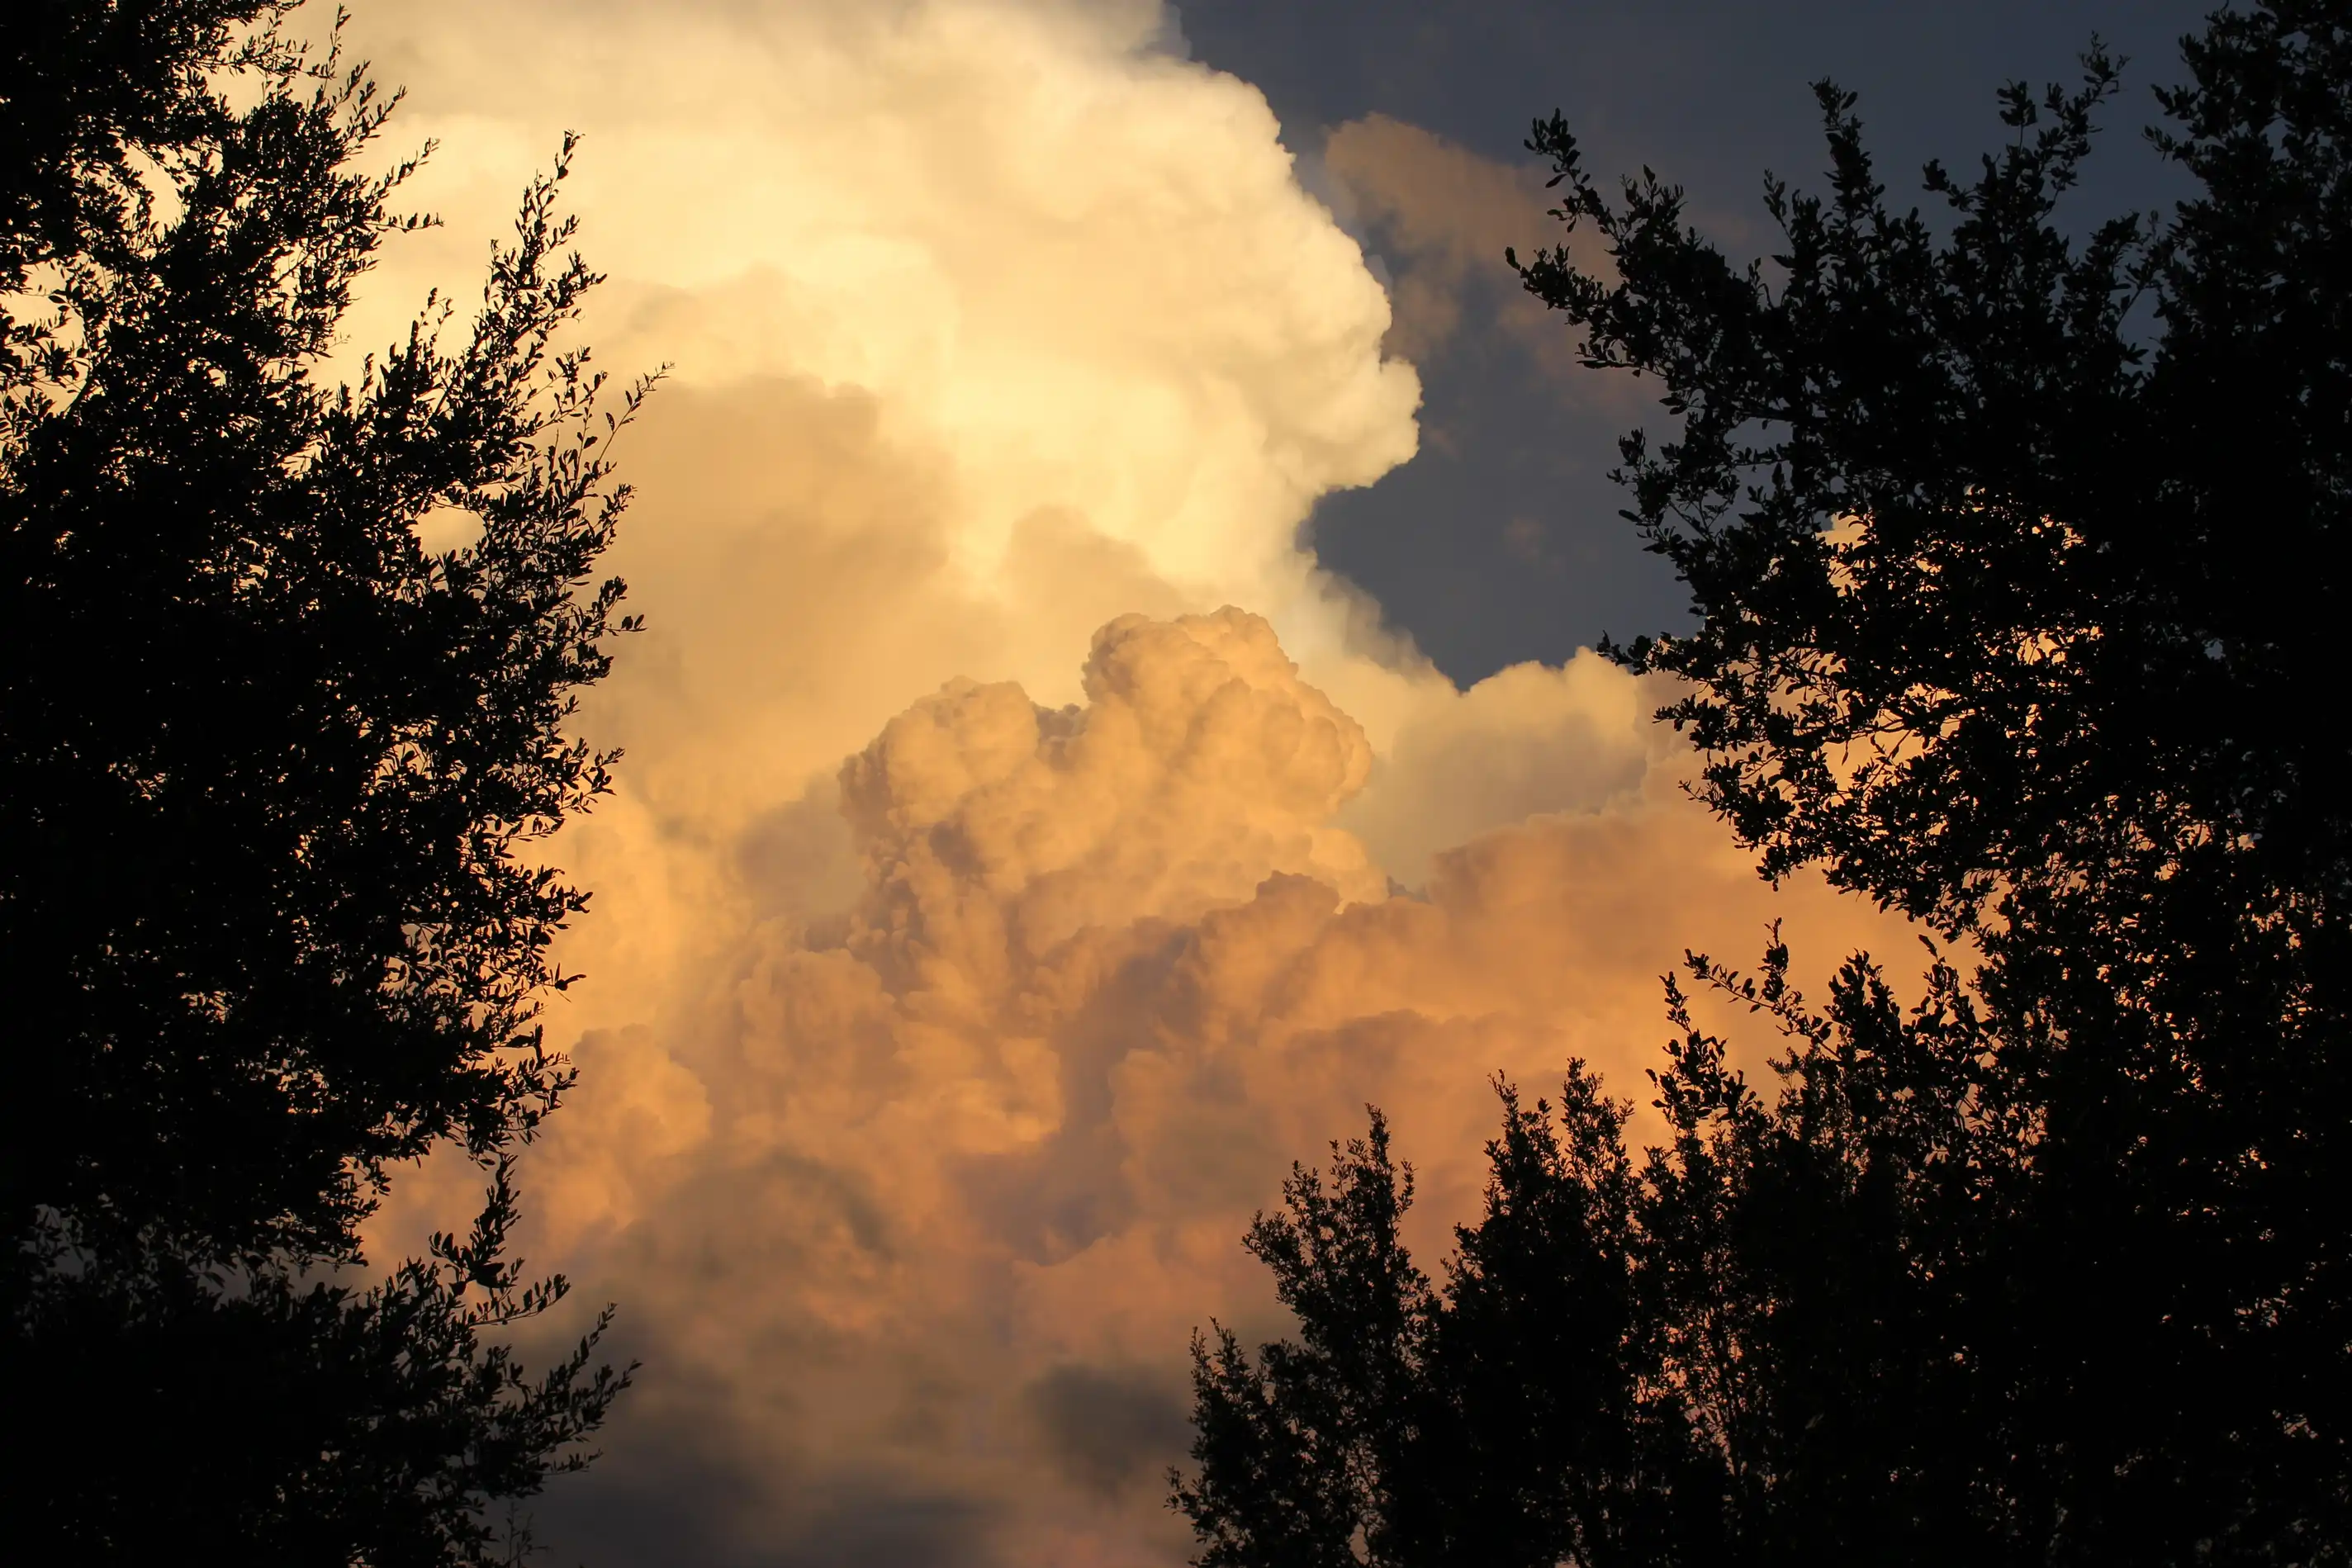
(2077, 614)
(267, 769)
(2017, 550)
(1711, 1355)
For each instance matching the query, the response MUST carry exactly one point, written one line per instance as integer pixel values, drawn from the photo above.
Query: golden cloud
(906, 1193)
(925, 1094)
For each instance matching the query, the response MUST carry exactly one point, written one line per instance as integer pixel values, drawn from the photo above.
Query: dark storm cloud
(675, 1511)
(1106, 1429)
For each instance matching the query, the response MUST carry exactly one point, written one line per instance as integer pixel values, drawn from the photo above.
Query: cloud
(1109, 1429)
(1527, 739)
(1199, 764)
(968, 1162)
(1080, 265)
(1441, 216)
(998, 893)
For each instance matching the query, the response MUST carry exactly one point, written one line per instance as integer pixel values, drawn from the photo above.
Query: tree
(2015, 557)
(1713, 1356)
(266, 770)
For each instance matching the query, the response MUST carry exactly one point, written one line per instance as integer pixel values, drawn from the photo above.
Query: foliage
(2051, 637)
(269, 772)
(303, 1419)
(1708, 1357)
(2016, 551)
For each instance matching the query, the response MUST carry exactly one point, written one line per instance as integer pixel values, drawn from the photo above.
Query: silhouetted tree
(267, 767)
(2017, 560)
(1737, 1350)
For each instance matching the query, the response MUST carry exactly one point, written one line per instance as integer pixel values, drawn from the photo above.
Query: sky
(1502, 541)
(1119, 561)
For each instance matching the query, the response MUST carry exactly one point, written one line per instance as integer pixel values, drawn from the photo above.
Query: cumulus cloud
(1080, 265)
(928, 1199)
(925, 1094)
(1527, 739)
(1199, 764)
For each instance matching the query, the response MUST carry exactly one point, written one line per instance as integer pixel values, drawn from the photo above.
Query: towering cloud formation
(1199, 765)
(918, 1203)
(925, 1094)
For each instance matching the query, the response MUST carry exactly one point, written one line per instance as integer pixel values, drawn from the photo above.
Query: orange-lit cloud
(988, 914)
(915, 1199)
